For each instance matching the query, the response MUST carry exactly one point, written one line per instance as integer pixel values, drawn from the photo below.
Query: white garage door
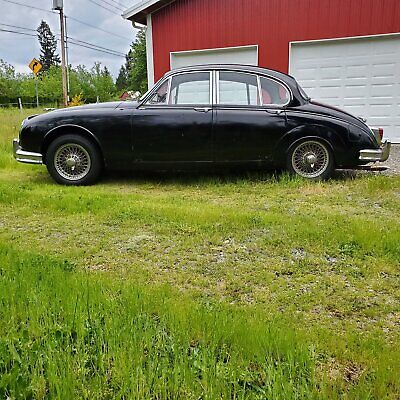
(360, 75)
(230, 55)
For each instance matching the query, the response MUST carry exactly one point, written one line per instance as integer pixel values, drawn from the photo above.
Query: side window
(160, 97)
(238, 89)
(273, 92)
(193, 88)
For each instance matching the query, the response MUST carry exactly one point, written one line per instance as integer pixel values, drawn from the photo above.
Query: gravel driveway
(394, 161)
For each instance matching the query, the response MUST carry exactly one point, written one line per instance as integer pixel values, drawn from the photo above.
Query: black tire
(311, 159)
(74, 160)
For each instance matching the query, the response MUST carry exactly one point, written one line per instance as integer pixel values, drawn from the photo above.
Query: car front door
(249, 117)
(174, 125)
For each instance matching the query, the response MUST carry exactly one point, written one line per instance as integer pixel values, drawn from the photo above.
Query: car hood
(94, 106)
(328, 110)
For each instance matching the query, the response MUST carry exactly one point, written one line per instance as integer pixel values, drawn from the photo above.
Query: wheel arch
(58, 131)
(321, 133)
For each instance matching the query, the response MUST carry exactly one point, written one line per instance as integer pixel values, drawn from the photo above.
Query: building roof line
(138, 12)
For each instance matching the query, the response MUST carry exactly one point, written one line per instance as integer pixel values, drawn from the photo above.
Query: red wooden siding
(272, 24)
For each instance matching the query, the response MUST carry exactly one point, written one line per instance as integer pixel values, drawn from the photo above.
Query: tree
(122, 80)
(48, 44)
(136, 64)
(8, 82)
(94, 83)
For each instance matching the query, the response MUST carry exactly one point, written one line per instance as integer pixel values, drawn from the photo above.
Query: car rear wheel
(311, 159)
(73, 160)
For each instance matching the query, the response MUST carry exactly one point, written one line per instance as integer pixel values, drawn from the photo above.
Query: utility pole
(59, 6)
(66, 57)
(37, 91)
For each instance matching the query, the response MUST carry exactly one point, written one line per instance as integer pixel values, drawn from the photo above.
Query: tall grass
(197, 287)
(65, 334)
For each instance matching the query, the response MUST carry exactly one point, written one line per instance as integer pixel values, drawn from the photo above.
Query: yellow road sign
(35, 66)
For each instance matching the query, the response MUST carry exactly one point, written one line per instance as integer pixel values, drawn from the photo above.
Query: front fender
(68, 129)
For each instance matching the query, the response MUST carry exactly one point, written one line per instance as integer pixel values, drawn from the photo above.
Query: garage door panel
(356, 110)
(360, 75)
(356, 71)
(355, 92)
(383, 70)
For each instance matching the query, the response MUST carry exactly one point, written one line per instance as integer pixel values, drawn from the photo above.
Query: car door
(249, 117)
(175, 124)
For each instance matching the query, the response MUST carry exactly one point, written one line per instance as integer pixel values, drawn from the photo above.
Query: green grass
(205, 286)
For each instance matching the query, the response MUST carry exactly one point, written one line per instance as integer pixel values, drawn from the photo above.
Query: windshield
(303, 94)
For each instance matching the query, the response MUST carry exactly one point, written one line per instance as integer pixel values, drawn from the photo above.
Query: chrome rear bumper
(374, 155)
(26, 156)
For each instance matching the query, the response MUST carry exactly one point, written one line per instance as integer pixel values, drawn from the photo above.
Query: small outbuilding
(343, 52)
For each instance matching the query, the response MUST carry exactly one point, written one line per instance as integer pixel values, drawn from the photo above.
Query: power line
(72, 41)
(118, 7)
(18, 27)
(27, 5)
(71, 18)
(95, 45)
(99, 29)
(119, 4)
(93, 48)
(18, 33)
(105, 8)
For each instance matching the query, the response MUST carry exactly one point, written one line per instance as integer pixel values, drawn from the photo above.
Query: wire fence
(27, 104)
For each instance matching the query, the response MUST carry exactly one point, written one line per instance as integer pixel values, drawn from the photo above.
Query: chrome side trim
(375, 155)
(26, 156)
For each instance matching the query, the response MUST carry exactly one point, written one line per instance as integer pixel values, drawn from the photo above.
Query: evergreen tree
(48, 44)
(136, 64)
(122, 80)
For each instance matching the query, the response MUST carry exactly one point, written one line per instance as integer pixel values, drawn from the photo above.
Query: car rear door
(175, 124)
(249, 117)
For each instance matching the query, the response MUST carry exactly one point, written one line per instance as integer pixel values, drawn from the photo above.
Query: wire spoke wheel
(72, 161)
(310, 159)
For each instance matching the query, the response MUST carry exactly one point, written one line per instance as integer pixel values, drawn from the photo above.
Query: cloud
(19, 50)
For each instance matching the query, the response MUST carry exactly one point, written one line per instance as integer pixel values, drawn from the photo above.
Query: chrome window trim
(169, 90)
(259, 90)
(154, 91)
(214, 89)
(282, 84)
(236, 105)
(186, 73)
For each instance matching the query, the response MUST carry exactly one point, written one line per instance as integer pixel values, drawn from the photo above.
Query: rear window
(273, 92)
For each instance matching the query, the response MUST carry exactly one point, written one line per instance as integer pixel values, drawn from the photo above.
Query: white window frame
(278, 82)
(167, 104)
(217, 101)
(217, 90)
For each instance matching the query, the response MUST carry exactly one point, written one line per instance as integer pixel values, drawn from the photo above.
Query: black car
(195, 117)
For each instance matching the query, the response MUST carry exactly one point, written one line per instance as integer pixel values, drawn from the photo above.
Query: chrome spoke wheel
(310, 159)
(72, 161)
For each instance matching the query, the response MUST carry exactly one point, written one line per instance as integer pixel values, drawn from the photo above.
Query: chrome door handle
(203, 109)
(276, 112)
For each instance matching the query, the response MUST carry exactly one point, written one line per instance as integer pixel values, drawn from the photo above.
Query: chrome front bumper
(374, 155)
(26, 156)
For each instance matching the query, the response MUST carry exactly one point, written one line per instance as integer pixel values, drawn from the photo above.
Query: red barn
(343, 52)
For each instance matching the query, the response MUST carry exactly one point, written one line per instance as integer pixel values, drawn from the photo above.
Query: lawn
(249, 286)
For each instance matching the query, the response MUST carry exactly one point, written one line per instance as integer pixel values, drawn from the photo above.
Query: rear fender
(330, 137)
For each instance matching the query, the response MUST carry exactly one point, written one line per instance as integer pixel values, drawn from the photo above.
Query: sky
(19, 50)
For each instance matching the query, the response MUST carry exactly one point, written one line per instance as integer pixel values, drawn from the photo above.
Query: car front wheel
(311, 159)
(73, 160)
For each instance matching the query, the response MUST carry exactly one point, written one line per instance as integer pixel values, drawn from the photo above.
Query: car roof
(235, 67)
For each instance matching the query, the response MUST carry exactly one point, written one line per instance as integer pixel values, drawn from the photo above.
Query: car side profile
(201, 117)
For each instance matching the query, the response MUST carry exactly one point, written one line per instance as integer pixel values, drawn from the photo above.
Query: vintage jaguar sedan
(201, 117)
